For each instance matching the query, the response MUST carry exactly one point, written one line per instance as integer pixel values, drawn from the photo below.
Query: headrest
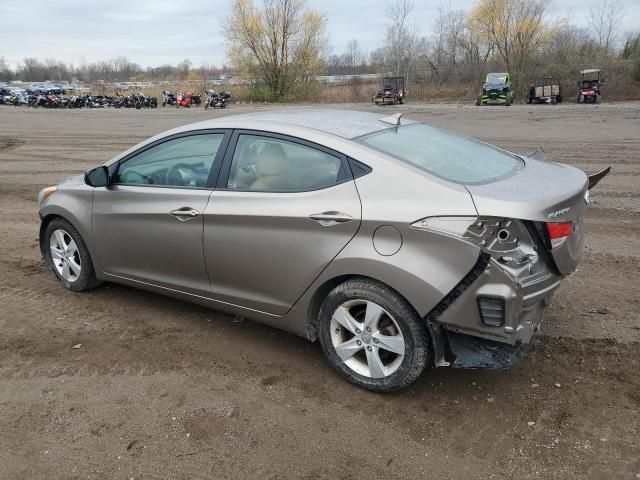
(272, 160)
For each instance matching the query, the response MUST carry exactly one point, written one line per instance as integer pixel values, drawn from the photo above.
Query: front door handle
(184, 213)
(330, 218)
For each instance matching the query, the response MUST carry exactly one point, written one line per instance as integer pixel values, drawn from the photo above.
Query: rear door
(283, 209)
(147, 225)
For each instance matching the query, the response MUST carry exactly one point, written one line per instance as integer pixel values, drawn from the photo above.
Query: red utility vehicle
(589, 86)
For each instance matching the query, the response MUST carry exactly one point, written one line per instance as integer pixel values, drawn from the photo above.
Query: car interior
(182, 162)
(262, 164)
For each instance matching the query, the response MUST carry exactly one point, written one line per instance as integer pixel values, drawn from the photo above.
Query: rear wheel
(373, 337)
(478, 101)
(68, 256)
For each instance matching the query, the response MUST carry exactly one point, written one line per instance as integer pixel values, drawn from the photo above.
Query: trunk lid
(542, 192)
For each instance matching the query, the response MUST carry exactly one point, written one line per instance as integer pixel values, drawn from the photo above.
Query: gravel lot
(164, 389)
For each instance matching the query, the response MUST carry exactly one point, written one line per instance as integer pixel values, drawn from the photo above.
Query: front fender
(74, 205)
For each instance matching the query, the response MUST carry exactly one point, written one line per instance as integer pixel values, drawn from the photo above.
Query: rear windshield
(446, 155)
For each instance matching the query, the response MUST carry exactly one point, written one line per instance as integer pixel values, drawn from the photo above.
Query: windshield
(496, 78)
(446, 155)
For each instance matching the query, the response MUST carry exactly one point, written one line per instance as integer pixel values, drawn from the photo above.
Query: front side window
(181, 162)
(266, 164)
(446, 155)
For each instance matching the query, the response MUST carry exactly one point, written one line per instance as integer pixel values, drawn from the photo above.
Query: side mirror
(97, 177)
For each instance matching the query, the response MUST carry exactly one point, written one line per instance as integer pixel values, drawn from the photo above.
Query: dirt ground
(164, 389)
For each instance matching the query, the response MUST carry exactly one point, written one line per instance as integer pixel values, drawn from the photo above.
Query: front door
(284, 210)
(148, 224)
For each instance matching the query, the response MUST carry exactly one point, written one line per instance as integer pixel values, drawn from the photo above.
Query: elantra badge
(559, 213)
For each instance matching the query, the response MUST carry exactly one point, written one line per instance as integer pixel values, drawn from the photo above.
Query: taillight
(558, 232)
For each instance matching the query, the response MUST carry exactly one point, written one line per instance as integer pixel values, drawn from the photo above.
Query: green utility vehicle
(496, 90)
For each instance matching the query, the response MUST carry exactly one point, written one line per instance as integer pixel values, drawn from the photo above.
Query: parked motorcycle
(216, 100)
(183, 99)
(168, 98)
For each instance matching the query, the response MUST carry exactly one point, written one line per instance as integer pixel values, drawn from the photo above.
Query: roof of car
(343, 123)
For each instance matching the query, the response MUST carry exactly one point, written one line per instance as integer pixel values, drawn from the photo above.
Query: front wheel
(67, 255)
(373, 337)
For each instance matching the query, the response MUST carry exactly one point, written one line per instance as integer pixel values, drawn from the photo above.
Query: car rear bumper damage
(489, 319)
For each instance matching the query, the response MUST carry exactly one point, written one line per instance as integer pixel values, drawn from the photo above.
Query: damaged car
(398, 246)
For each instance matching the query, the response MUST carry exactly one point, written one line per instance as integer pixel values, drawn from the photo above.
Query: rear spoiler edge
(596, 177)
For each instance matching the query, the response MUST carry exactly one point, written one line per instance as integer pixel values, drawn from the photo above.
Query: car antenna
(539, 154)
(392, 119)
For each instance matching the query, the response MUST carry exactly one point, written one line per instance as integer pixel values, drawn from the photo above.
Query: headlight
(45, 192)
(505, 239)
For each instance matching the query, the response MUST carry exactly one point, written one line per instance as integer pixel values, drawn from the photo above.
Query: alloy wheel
(65, 255)
(367, 338)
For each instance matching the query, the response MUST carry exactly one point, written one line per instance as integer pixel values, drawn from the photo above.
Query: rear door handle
(330, 218)
(184, 213)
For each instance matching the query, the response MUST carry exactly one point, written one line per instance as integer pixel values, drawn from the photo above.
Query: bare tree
(516, 28)
(398, 11)
(404, 45)
(605, 17)
(5, 71)
(355, 56)
(279, 45)
(184, 67)
(447, 47)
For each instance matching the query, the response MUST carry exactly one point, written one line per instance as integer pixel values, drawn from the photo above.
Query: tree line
(281, 45)
(113, 70)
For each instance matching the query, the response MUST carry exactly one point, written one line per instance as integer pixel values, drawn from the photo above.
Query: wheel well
(316, 302)
(324, 289)
(43, 228)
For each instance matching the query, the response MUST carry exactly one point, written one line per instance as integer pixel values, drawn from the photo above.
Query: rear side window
(446, 155)
(266, 164)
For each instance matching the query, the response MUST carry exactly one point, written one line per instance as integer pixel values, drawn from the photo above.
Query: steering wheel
(182, 174)
(135, 178)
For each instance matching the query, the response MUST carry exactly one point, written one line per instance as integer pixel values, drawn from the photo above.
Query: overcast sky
(163, 31)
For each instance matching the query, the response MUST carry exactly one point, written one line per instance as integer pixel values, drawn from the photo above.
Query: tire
(581, 98)
(76, 282)
(398, 320)
(479, 102)
(508, 101)
(598, 98)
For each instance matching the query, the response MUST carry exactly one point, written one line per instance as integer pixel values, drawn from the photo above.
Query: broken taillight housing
(558, 232)
(505, 239)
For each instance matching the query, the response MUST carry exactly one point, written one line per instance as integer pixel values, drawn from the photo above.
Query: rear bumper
(523, 302)
(385, 100)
